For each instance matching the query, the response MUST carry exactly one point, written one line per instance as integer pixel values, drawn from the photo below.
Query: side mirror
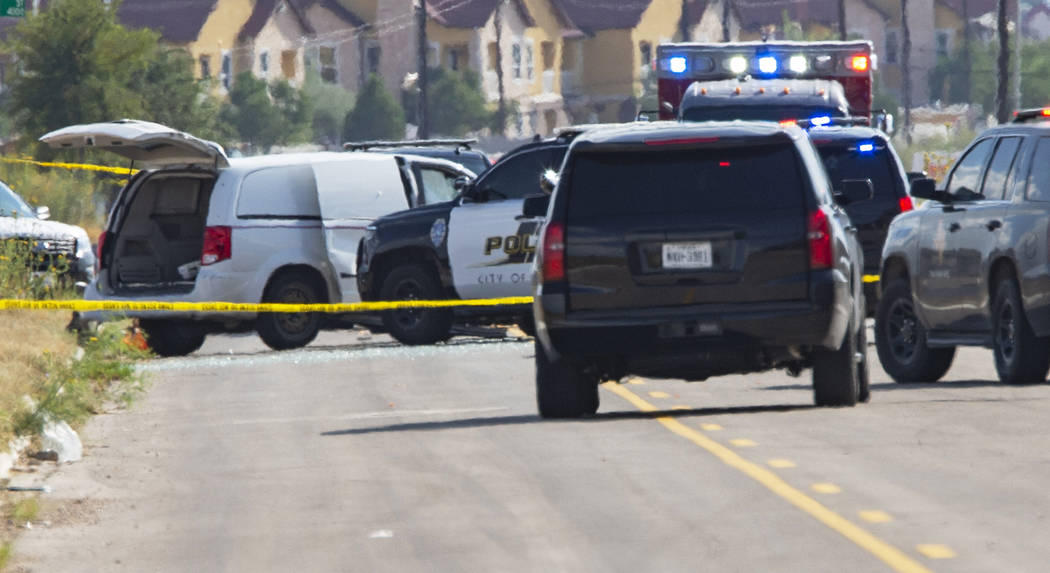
(461, 183)
(926, 188)
(854, 191)
(535, 206)
(548, 181)
(913, 175)
(43, 212)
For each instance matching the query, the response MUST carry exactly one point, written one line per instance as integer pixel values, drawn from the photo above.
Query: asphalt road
(360, 455)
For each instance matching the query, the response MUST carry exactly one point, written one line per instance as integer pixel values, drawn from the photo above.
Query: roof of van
(674, 132)
(305, 158)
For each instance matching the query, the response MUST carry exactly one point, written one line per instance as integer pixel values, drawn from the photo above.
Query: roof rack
(1037, 114)
(836, 121)
(365, 145)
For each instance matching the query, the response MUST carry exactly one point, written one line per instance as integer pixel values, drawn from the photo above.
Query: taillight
(818, 232)
(101, 249)
(554, 252)
(217, 244)
(905, 204)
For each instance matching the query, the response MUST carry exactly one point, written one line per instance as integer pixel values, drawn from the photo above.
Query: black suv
(972, 267)
(684, 250)
(861, 152)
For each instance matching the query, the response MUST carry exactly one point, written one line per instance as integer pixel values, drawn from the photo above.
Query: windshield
(758, 112)
(842, 161)
(11, 205)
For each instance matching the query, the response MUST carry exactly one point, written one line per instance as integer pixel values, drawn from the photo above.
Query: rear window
(758, 112)
(684, 181)
(845, 161)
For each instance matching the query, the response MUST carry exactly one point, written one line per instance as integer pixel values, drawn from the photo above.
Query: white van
(194, 225)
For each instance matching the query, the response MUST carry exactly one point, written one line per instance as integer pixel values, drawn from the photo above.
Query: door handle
(851, 229)
(953, 227)
(994, 224)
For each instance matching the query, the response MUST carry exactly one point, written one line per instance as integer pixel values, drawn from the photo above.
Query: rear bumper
(699, 332)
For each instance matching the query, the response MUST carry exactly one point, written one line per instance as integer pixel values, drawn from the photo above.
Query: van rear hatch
(664, 226)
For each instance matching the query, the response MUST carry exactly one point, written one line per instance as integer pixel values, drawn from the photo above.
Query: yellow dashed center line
(681, 407)
(887, 553)
(778, 463)
(635, 380)
(825, 488)
(875, 516)
(710, 427)
(743, 443)
(935, 551)
(659, 394)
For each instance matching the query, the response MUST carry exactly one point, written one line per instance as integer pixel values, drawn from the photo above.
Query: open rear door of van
(352, 192)
(141, 141)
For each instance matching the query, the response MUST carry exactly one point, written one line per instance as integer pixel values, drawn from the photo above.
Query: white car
(194, 225)
(50, 239)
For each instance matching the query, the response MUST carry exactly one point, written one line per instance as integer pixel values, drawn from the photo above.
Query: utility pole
(501, 111)
(726, 9)
(421, 54)
(1017, 57)
(683, 25)
(1002, 113)
(906, 69)
(842, 20)
(967, 54)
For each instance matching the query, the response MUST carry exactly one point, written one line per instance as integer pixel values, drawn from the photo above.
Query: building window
(326, 58)
(226, 72)
(205, 62)
(547, 49)
(645, 50)
(515, 58)
(891, 46)
(264, 63)
(568, 56)
(288, 61)
(373, 57)
(943, 43)
(457, 57)
(529, 67)
(493, 51)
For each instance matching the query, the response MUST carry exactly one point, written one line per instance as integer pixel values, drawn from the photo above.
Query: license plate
(687, 255)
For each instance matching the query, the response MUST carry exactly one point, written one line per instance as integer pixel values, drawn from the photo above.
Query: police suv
(479, 245)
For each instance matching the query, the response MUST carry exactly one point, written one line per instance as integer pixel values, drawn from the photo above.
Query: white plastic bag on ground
(63, 440)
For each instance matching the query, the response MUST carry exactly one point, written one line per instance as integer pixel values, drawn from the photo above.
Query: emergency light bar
(702, 61)
(1037, 114)
(826, 121)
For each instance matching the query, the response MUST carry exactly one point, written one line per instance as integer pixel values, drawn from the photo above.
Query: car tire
(172, 337)
(900, 339)
(1020, 356)
(415, 326)
(283, 330)
(836, 373)
(562, 388)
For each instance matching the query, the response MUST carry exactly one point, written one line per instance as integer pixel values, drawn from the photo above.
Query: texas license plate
(687, 255)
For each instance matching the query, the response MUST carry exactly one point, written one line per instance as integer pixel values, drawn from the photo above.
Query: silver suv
(194, 225)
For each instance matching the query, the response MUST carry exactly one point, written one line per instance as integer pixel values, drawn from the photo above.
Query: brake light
(818, 233)
(1046, 111)
(859, 63)
(554, 252)
(101, 249)
(905, 204)
(217, 244)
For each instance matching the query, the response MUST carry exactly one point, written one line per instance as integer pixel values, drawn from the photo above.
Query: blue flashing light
(767, 65)
(820, 120)
(865, 147)
(677, 64)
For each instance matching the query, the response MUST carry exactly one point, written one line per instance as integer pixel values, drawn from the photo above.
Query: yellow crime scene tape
(120, 305)
(80, 166)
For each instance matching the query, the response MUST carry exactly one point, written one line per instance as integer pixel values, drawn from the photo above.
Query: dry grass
(24, 338)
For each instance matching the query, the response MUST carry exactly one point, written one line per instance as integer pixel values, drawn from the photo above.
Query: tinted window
(843, 161)
(11, 204)
(757, 112)
(684, 181)
(999, 168)
(1039, 178)
(519, 176)
(279, 192)
(966, 177)
(437, 185)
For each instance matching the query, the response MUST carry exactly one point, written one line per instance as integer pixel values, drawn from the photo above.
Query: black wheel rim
(294, 323)
(902, 330)
(1006, 333)
(408, 318)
